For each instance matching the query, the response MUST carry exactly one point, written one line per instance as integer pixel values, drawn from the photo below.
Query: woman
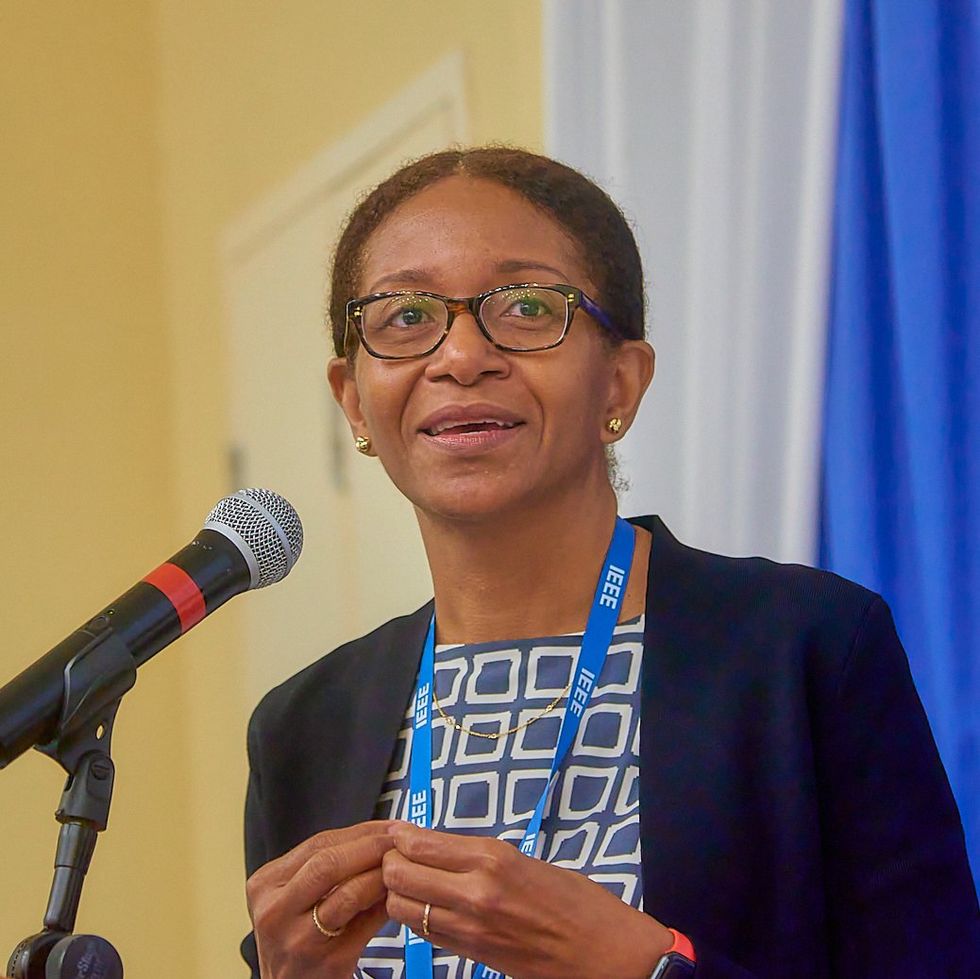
(743, 777)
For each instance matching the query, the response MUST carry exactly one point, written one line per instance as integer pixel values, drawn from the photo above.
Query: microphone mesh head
(267, 525)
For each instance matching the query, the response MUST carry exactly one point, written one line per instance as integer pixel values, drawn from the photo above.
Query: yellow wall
(133, 133)
(87, 460)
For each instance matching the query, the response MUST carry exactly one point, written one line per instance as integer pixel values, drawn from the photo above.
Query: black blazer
(795, 818)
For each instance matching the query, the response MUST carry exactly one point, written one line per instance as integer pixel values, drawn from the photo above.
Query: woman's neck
(528, 573)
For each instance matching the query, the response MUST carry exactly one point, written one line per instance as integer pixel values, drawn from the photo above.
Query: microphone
(250, 539)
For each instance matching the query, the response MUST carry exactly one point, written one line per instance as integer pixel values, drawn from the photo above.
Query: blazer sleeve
(256, 850)
(901, 895)
(899, 892)
(349, 704)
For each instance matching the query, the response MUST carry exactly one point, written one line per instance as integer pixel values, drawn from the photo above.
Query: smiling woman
(643, 760)
(456, 389)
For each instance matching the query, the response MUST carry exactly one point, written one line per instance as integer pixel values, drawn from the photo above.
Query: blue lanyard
(609, 594)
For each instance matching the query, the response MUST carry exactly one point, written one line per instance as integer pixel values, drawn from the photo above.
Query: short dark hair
(583, 210)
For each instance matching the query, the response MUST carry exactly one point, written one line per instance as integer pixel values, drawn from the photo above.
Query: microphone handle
(145, 618)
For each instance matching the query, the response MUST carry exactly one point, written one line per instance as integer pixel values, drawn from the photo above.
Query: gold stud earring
(363, 444)
(614, 425)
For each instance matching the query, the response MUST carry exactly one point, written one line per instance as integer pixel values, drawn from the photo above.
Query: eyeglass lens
(523, 318)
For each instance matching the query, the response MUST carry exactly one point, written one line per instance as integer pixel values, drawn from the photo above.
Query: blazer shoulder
(723, 575)
(754, 602)
(372, 656)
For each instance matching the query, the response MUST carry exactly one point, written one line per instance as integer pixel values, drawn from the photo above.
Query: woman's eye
(528, 306)
(406, 317)
(409, 317)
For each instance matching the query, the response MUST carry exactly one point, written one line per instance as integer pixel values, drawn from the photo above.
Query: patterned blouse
(484, 787)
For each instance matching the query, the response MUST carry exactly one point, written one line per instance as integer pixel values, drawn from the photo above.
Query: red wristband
(682, 944)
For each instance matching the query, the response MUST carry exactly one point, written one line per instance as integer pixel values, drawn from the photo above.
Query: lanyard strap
(418, 952)
(599, 629)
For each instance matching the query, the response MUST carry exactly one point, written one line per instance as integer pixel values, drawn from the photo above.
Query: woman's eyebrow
(402, 276)
(417, 276)
(527, 264)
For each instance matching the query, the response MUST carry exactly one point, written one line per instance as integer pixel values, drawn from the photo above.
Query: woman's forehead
(463, 225)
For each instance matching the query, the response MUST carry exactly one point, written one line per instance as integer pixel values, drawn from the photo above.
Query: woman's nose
(466, 354)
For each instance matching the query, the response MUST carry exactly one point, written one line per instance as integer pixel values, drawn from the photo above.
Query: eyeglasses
(519, 318)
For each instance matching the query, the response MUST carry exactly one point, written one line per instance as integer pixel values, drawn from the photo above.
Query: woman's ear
(633, 363)
(343, 385)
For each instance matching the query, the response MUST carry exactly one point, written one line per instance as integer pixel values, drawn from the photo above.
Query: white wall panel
(713, 124)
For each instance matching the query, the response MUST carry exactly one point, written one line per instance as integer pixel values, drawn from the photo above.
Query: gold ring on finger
(326, 932)
(425, 920)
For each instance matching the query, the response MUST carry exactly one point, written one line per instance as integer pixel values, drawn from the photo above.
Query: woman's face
(470, 430)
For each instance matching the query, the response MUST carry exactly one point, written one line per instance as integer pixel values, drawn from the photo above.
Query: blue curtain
(901, 467)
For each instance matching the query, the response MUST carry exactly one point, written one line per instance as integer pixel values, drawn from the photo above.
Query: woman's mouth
(465, 428)
(462, 427)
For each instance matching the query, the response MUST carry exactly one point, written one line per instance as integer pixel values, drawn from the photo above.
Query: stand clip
(95, 681)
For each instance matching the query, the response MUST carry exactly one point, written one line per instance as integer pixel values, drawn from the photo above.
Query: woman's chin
(474, 500)
(479, 493)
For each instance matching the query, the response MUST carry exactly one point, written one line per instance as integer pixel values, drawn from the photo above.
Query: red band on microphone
(182, 591)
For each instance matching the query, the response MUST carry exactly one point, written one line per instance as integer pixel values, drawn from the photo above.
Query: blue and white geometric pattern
(482, 787)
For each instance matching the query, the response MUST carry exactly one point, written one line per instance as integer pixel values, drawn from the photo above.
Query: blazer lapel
(387, 666)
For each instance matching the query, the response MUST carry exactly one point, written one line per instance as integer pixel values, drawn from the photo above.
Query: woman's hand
(339, 873)
(518, 915)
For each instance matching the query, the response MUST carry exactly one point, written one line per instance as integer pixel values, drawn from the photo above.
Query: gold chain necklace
(499, 734)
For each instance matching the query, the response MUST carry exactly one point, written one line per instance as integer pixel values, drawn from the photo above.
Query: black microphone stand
(95, 681)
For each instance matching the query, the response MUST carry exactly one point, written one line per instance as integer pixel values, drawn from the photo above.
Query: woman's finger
(448, 851)
(349, 899)
(304, 951)
(365, 926)
(465, 906)
(328, 867)
(282, 869)
(420, 882)
(444, 924)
